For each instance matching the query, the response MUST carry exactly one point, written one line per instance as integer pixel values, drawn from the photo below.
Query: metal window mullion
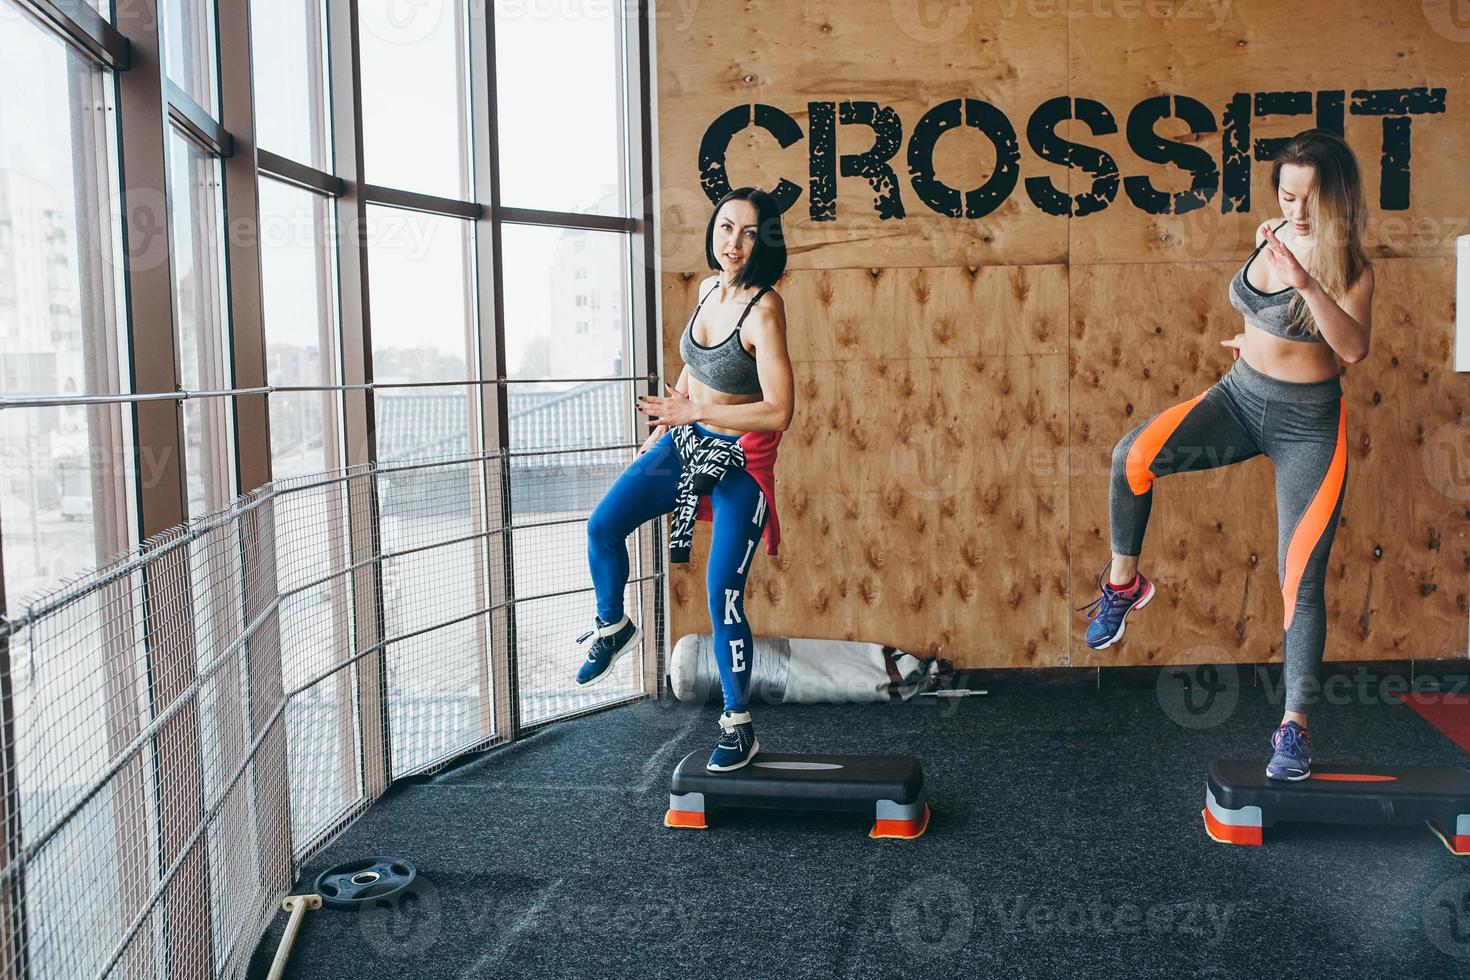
(245, 333)
(493, 398)
(565, 219)
(300, 175)
(159, 453)
(393, 197)
(468, 39)
(647, 352)
(329, 338)
(269, 787)
(192, 118)
(359, 422)
(84, 29)
(144, 180)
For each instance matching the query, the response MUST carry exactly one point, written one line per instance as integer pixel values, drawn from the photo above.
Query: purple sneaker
(1293, 758)
(1111, 608)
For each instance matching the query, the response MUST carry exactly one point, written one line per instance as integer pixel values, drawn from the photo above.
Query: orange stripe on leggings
(1309, 529)
(1141, 454)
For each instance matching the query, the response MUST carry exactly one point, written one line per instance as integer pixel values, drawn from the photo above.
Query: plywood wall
(961, 381)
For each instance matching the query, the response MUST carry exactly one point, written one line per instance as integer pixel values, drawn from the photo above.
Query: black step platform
(890, 787)
(1240, 801)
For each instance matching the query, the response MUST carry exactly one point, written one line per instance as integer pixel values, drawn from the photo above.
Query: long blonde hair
(1336, 213)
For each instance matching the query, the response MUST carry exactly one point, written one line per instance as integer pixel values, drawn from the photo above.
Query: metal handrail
(184, 394)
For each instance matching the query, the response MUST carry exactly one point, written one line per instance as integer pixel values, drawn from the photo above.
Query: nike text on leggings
(1301, 427)
(646, 490)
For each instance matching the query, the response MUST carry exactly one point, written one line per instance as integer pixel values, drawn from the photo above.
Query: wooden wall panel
(1403, 574)
(910, 56)
(1218, 50)
(961, 383)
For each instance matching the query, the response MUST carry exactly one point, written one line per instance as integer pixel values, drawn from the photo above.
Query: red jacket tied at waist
(760, 462)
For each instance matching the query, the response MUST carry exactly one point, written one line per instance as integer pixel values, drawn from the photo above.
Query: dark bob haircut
(767, 259)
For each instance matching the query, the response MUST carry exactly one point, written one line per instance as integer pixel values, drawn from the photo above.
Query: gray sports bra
(1268, 311)
(727, 366)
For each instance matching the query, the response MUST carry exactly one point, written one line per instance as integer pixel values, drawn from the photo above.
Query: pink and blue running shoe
(1112, 608)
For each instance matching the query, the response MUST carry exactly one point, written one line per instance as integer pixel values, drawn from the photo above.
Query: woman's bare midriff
(701, 392)
(1288, 360)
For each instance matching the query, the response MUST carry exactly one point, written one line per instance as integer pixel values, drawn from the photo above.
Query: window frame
(150, 107)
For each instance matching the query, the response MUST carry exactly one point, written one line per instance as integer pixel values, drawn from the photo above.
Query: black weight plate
(358, 884)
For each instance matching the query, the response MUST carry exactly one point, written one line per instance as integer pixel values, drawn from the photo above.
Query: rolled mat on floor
(800, 671)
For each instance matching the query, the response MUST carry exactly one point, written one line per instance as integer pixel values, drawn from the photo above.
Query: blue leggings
(645, 490)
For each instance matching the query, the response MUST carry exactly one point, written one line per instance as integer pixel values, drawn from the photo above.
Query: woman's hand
(1236, 342)
(1284, 264)
(674, 409)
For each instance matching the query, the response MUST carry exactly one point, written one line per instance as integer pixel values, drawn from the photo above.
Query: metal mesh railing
(186, 726)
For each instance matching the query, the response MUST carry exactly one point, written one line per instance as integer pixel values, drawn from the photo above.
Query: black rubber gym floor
(1066, 841)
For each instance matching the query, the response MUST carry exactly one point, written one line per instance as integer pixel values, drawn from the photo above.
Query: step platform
(890, 787)
(1240, 801)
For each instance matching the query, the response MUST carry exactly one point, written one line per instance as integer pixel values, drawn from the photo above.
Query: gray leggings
(1301, 428)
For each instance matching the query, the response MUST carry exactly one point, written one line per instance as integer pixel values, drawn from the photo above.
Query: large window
(566, 325)
(339, 370)
(422, 298)
(289, 73)
(569, 330)
(434, 586)
(189, 49)
(64, 493)
(297, 237)
(196, 219)
(66, 500)
(303, 361)
(566, 306)
(298, 283)
(415, 95)
(563, 142)
(303, 355)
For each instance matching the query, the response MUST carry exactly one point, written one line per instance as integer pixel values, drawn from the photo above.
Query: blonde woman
(1307, 309)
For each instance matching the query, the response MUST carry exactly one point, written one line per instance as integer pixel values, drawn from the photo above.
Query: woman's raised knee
(602, 527)
(1120, 453)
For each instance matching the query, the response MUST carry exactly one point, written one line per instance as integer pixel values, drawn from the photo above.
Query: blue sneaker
(612, 641)
(1293, 758)
(737, 744)
(1112, 608)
